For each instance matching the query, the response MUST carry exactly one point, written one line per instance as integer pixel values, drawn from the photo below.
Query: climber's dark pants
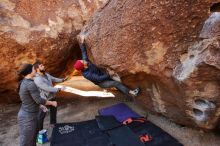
(116, 84)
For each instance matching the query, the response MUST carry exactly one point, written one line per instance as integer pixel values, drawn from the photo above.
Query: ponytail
(19, 80)
(23, 71)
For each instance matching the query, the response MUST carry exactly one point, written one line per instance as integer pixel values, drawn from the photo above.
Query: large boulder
(39, 29)
(157, 45)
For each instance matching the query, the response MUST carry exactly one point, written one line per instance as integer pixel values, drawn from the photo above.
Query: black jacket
(93, 73)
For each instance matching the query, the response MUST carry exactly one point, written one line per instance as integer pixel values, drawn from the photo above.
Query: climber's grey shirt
(45, 85)
(30, 96)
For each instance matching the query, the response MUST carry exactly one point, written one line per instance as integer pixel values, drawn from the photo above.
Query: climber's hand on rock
(81, 38)
(110, 72)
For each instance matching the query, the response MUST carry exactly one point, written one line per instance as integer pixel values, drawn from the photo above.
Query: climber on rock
(99, 76)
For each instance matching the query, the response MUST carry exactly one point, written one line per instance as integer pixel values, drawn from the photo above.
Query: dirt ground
(79, 110)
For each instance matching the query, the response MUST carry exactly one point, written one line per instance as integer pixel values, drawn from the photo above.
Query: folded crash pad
(85, 133)
(107, 122)
(120, 111)
(124, 136)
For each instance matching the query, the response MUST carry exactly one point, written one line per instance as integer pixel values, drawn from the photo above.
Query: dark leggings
(116, 84)
(42, 115)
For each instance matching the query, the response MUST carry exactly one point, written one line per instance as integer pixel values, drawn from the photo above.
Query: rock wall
(163, 47)
(39, 29)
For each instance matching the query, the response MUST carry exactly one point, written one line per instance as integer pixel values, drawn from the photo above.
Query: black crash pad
(85, 133)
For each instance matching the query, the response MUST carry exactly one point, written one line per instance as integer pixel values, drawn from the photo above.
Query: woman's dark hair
(19, 79)
(23, 71)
